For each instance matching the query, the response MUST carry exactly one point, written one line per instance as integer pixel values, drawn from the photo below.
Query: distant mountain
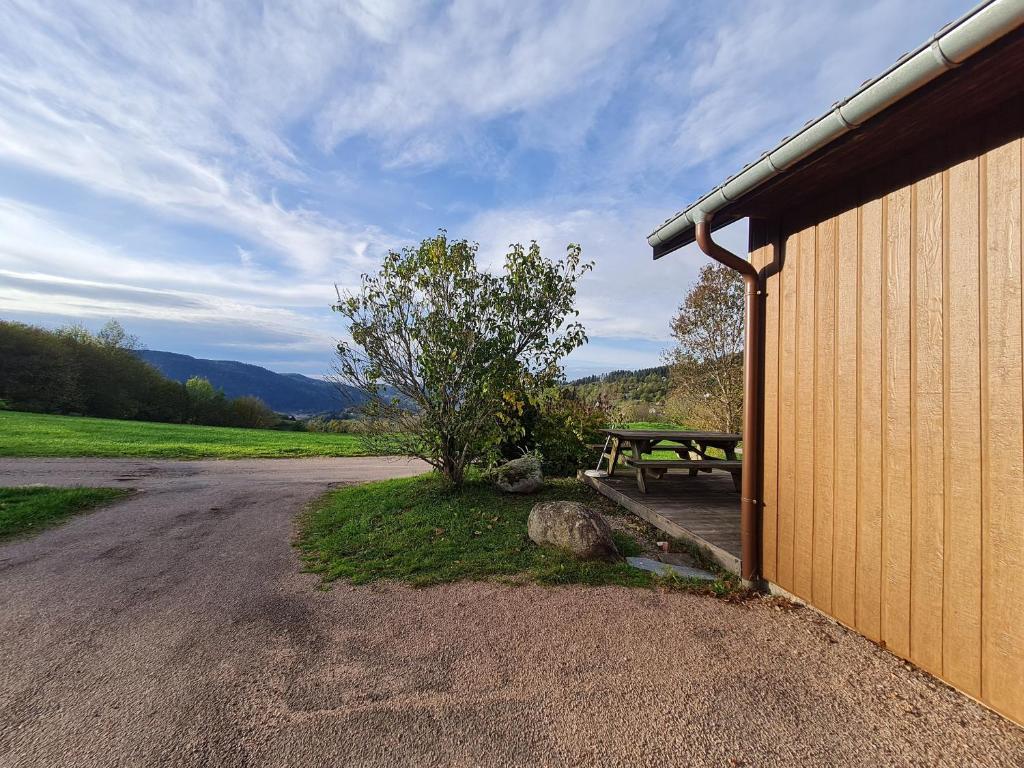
(290, 393)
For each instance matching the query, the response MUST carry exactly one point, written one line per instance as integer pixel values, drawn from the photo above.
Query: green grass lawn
(26, 510)
(418, 531)
(652, 425)
(35, 434)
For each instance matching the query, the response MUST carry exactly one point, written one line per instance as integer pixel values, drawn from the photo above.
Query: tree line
(660, 371)
(73, 371)
(622, 391)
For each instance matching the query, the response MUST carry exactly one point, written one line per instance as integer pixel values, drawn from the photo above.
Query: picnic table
(691, 447)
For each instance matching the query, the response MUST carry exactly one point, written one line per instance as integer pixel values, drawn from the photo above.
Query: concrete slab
(662, 569)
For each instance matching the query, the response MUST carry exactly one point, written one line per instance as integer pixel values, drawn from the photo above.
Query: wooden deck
(703, 509)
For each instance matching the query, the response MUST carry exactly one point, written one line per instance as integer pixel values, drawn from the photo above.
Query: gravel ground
(175, 628)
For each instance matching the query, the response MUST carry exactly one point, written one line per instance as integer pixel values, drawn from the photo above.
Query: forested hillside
(649, 385)
(627, 395)
(289, 393)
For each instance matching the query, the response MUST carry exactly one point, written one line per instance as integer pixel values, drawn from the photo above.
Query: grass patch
(27, 510)
(36, 434)
(652, 425)
(419, 531)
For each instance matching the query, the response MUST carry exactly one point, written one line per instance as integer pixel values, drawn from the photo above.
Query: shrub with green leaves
(249, 411)
(559, 425)
(443, 347)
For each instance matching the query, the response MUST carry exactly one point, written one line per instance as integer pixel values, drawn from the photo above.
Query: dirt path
(175, 628)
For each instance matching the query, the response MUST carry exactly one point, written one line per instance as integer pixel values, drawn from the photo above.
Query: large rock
(573, 527)
(520, 475)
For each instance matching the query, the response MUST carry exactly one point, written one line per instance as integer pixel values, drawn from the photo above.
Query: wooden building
(887, 239)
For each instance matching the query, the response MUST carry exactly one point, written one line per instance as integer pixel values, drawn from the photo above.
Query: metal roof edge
(949, 47)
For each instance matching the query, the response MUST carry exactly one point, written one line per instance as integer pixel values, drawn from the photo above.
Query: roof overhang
(886, 115)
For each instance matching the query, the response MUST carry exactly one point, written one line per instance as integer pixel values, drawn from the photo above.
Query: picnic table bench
(691, 447)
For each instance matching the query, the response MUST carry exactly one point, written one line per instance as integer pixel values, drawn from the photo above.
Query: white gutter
(951, 46)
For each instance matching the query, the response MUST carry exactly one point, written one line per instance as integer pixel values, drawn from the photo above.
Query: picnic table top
(672, 434)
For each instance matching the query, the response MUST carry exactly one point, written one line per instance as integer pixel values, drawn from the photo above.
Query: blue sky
(206, 172)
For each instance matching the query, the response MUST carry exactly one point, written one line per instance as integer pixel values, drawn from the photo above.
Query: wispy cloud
(628, 295)
(54, 273)
(476, 62)
(184, 111)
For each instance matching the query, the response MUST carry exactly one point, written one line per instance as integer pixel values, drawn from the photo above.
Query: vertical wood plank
(1003, 536)
(789, 309)
(844, 561)
(770, 507)
(803, 546)
(961, 614)
(869, 427)
(927, 428)
(897, 487)
(824, 413)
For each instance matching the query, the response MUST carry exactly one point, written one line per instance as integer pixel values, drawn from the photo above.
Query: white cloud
(35, 241)
(768, 67)
(47, 270)
(180, 110)
(628, 295)
(475, 61)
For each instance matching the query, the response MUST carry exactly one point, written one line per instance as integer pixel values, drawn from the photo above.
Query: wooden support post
(641, 482)
(694, 455)
(613, 458)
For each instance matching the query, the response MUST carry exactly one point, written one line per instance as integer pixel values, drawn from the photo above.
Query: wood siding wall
(893, 478)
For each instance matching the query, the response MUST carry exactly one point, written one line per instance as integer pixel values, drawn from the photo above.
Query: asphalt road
(176, 628)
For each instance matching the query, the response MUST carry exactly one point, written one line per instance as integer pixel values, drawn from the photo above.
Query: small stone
(522, 475)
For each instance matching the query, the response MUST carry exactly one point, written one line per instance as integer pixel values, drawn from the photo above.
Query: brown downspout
(750, 562)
